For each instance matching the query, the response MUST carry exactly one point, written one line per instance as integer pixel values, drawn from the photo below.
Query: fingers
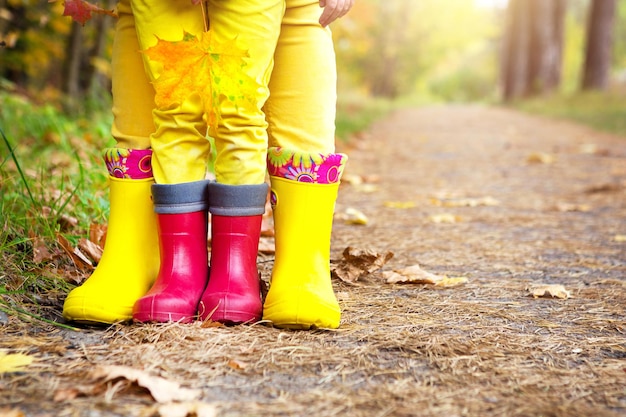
(333, 10)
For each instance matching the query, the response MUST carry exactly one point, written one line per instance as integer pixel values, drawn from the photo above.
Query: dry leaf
(80, 259)
(465, 202)
(357, 263)
(412, 274)
(353, 216)
(161, 389)
(568, 207)
(14, 362)
(92, 250)
(238, 365)
(444, 218)
(540, 158)
(416, 275)
(549, 291)
(449, 282)
(620, 238)
(98, 233)
(399, 204)
(187, 409)
(40, 251)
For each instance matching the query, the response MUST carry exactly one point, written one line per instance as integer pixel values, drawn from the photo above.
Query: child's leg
(237, 200)
(130, 260)
(304, 171)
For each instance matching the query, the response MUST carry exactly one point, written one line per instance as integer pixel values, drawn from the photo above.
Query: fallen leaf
(549, 291)
(14, 362)
(92, 250)
(238, 365)
(399, 204)
(451, 281)
(161, 389)
(465, 202)
(40, 251)
(540, 158)
(620, 238)
(444, 218)
(98, 233)
(568, 207)
(353, 216)
(187, 409)
(412, 274)
(80, 259)
(357, 263)
(416, 275)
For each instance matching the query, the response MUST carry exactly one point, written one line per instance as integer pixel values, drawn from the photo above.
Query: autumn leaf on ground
(416, 275)
(465, 202)
(444, 218)
(540, 158)
(81, 10)
(204, 66)
(14, 362)
(549, 291)
(399, 204)
(161, 389)
(357, 263)
(353, 216)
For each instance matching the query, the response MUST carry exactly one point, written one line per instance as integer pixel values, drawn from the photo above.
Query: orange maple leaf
(201, 65)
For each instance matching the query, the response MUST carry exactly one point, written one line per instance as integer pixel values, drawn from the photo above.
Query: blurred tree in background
(447, 50)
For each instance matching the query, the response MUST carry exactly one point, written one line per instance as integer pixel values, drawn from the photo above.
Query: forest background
(564, 58)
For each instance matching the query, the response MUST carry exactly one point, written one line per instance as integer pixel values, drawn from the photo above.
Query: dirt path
(506, 200)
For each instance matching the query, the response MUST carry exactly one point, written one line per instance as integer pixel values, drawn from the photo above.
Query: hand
(333, 10)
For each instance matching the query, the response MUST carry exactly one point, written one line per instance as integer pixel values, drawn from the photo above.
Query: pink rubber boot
(233, 294)
(182, 217)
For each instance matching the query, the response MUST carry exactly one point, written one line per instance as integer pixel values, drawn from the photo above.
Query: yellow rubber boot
(130, 261)
(301, 295)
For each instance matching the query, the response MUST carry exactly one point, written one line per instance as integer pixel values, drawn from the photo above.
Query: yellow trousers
(291, 57)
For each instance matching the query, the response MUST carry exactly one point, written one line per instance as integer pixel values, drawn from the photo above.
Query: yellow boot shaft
(130, 261)
(301, 295)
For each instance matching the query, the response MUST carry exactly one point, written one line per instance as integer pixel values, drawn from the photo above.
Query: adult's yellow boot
(130, 261)
(303, 193)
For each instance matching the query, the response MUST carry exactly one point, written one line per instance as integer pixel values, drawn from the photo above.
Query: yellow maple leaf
(14, 362)
(201, 65)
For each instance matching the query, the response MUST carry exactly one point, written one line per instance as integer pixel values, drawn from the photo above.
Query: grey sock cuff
(186, 197)
(237, 200)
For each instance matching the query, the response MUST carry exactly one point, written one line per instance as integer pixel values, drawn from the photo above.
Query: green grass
(605, 111)
(48, 186)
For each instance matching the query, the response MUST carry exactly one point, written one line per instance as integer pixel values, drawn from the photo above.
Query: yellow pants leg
(301, 108)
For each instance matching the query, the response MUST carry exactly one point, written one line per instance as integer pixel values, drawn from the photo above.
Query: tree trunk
(599, 45)
(533, 46)
(73, 63)
(516, 50)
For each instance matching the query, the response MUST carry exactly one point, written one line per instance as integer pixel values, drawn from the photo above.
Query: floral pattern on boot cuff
(314, 168)
(133, 164)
